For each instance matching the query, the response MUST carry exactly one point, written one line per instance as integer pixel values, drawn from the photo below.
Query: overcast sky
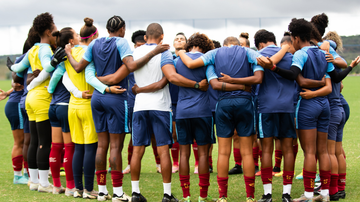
(217, 19)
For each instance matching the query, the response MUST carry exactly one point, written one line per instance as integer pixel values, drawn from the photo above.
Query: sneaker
(258, 173)
(196, 170)
(276, 170)
(58, 190)
(249, 199)
(211, 170)
(236, 170)
(303, 199)
(175, 169)
(342, 194)
(48, 189)
(335, 197)
(126, 170)
(207, 199)
(62, 171)
(26, 175)
(34, 186)
(187, 199)
(222, 199)
(78, 193)
(322, 198)
(20, 180)
(124, 197)
(138, 197)
(286, 198)
(168, 198)
(317, 179)
(103, 197)
(280, 174)
(70, 192)
(90, 194)
(317, 190)
(300, 176)
(257, 169)
(266, 198)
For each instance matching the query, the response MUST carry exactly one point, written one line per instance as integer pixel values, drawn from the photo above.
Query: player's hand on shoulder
(161, 48)
(265, 62)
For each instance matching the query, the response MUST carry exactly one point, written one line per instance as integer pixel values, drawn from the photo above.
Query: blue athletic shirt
(107, 54)
(59, 93)
(174, 89)
(131, 96)
(15, 96)
(274, 90)
(234, 61)
(192, 103)
(331, 50)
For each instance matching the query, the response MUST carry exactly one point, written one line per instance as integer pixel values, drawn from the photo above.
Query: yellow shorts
(82, 126)
(37, 105)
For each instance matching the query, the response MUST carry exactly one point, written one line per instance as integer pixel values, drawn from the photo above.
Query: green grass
(151, 182)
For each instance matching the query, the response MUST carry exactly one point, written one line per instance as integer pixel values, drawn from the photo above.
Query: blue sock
(89, 165)
(77, 165)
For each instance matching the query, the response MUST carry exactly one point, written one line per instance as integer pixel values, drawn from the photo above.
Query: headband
(90, 35)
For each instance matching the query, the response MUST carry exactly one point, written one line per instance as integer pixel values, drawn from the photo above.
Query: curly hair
(333, 35)
(138, 36)
(263, 36)
(200, 40)
(43, 22)
(300, 28)
(321, 22)
(216, 44)
(88, 29)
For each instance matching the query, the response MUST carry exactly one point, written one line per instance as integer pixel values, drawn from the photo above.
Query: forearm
(308, 83)
(251, 80)
(116, 77)
(38, 80)
(179, 80)
(78, 66)
(190, 63)
(92, 80)
(324, 91)
(69, 85)
(277, 57)
(16, 78)
(338, 62)
(153, 87)
(222, 86)
(137, 64)
(339, 76)
(290, 74)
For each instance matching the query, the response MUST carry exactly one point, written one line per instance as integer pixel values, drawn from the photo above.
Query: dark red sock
(295, 150)
(278, 158)
(210, 161)
(68, 158)
(288, 177)
(116, 178)
(223, 186)
(26, 166)
(250, 186)
(256, 155)
(266, 175)
(175, 153)
(204, 183)
(55, 162)
(309, 180)
(260, 154)
(196, 155)
(334, 184)
(62, 157)
(185, 184)
(237, 156)
(17, 162)
(156, 155)
(342, 181)
(101, 177)
(325, 177)
(130, 151)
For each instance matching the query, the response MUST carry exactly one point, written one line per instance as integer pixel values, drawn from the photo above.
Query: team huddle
(74, 97)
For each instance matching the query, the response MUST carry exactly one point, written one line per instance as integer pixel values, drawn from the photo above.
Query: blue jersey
(15, 96)
(274, 90)
(192, 103)
(213, 98)
(234, 61)
(334, 96)
(131, 96)
(174, 89)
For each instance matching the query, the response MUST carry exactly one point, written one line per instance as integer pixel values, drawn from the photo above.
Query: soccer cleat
(26, 175)
(187, 199)
(124, 197)
(257, 171)
(317, 179)
(20, 180)
(90, 194)
(78, 193)
(34, 186)
(342, 194)
(207, 199)
(126, 170)
(321, 198)
(196, 170)
(48, 189)
(222, 199)
(62, 171)
(266, 198)
(286, 198)
(335, 197)
(236, 170)
(137, 197)
(103, 197)
(58, 190)
(303, 199)
(300, 176)
(168, 198)
(249, 199)
(175, 169)
(276, 170)
(70, 192)
(280, 174)
(317, 190)
(211, 170)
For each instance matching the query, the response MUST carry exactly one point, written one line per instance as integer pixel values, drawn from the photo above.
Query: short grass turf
(151, 182)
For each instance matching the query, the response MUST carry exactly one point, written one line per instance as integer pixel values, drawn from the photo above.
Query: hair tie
(90, 35)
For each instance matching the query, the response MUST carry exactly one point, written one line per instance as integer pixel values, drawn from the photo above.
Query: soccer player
(244, 39)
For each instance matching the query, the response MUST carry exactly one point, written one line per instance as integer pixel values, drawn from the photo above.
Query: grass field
(151, 183)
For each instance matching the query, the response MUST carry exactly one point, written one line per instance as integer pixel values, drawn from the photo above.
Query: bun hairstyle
(63, 36)
(321, 22)
(286, 38)
(332, 35)
(88, 29)
(43, 22)
(115, 23)
(244, 35)
(287, 34)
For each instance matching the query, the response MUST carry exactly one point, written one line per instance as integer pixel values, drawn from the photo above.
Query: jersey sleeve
(45, 55)
(55, 78)
(69, 85)
(330, 67)
(334, 53)
(166, 58)
(327, 76)
(22, 65)
(92, 80)
(38, 80)
(123, 48)
(209, 57)
(210, 73)
(252, 59)
(88, 53)
(20, 75)
(299, 59)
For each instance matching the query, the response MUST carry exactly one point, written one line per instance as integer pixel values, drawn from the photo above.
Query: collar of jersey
(82, 46)
(194, 52)
(151, 44)
(269, 46)
(41, 44)
(307, 47)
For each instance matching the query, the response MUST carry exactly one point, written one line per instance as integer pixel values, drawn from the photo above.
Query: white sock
(158, 165)
(34, 173)
(44, 180)
(267, 189)
(102, 189)
(17, 173)
(167, 188)
(287, 189)
(25, 170)
(118, 191)
(324, 192)
(309, 194)
(135, 187)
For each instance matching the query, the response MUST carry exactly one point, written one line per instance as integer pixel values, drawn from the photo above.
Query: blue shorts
(173, 111)
(313, 113)
(337, 123)
(146, 123)
(233, 113)
(130, 115)
(347, 112)
(279, 125)
(58, 116)
(110, 114)
(200, 129)
(13, 114)
(25, 120)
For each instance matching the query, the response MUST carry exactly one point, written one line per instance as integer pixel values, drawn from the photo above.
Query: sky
(217, 19)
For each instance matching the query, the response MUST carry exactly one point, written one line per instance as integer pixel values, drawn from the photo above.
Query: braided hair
(115, 23)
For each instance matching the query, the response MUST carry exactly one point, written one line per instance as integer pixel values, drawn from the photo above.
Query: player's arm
(55, 78)
(5, 94)
(193, 64)
(38, 80)
(250, 80)
(116, 77)
(150, 88)
(309, 83)
(277, 57)
(326, 90)
(21, 66)
(69, 85)
(339, 76)
(336, 60)
(221, 86)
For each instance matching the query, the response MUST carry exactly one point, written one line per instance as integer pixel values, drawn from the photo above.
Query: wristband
(273, 68)
(109, 89)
